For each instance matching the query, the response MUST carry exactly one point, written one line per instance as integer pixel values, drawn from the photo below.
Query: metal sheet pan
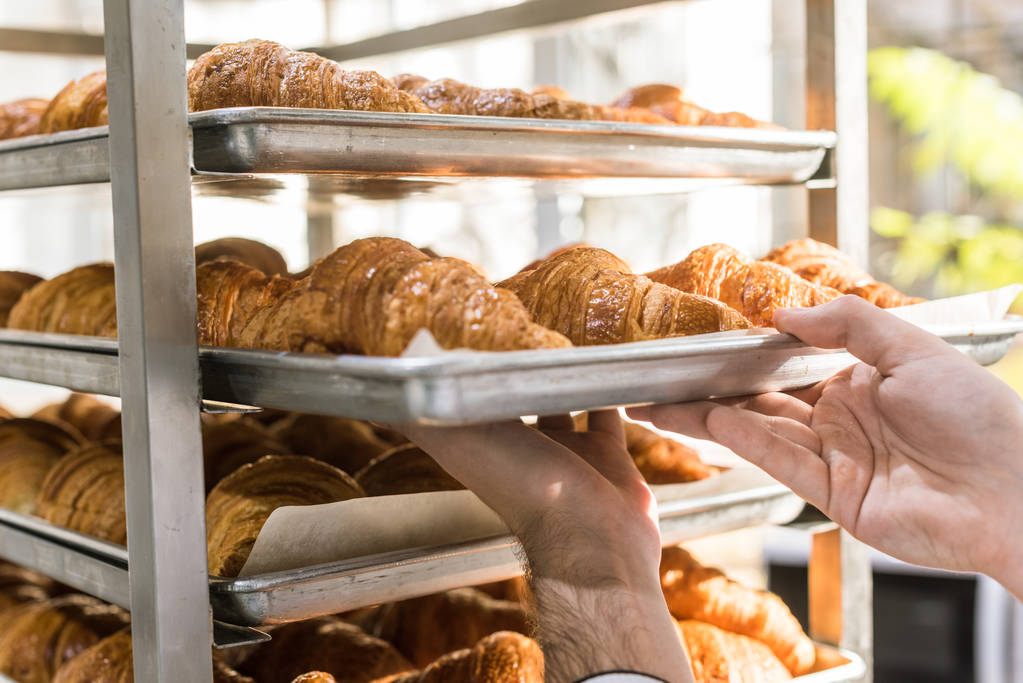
(271, 140)
(465, 387)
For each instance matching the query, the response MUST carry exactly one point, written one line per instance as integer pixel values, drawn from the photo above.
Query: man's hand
(916, 451)
(588, 524)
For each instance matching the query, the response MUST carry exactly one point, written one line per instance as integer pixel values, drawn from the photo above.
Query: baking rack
(154, 151)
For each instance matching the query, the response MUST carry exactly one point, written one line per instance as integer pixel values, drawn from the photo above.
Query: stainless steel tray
(269, 140)
(465, 387)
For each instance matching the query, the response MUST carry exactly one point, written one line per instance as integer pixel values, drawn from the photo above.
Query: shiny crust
(28, 450)
(21, 117)
(84, 492)
(261, 256)
(228, 445)
(93, 418)
(229, 293)
(12, 285)
(670, 102)
(404, 469)
(501, 657)
(718, 656)
(346, 444)
(258, 73)
(694, 591)
(240, 504)
(81, 104)
(754, 288)
(592, 297)
(662, 460)
(822, 264)
(80, 301)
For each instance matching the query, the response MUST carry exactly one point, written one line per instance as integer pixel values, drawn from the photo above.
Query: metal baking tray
(272, 140)
(465, 387)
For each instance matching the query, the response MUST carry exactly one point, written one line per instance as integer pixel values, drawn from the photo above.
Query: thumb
(871, 334)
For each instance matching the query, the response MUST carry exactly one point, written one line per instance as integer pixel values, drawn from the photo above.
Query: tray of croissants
(381, 330)
(259, 107)
(480, 634)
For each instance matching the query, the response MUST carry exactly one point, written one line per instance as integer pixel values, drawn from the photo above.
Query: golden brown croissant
(669, 101)
(80, 301)
(754, 288)
(373, 295)
(93, 418)
(81, 104)
(12, 285)
(448, 96)
(718, 656)
(822, 264)
(39, 637)
(429, 627)
(662, 460)
(228, 294)
(324, 644)
(502, 657)
(592, 297)
(261, 73)
(84, 491)
(261, 256)
(5, 414)
(28, 449)
(314, 677)
(346, 444)
(19, 585)
(240, 504)
(694, 591)
(404, 469)
(229, 444)
(21, 117)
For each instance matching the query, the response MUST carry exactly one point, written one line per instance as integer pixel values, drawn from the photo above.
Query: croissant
(373, 295)
(39, 637)
(80, 301)
(261, 73)
(228, 445)
(668, 101)
(346, 444)
(261, 256)
(754, 288)
(81, 104)
(19, 585)
(467, 615)
(93, 418)
(315, 677)
(240, 504)
(84, 492)
(592, 297)
(21, 117)
(662, 460)
(228, 294)
(324, 644)
(448, 96)
(694, 591)
(718, 656)
(822, 264)
(404, 469)
(28, 449)
(12, 285)
(501, 657)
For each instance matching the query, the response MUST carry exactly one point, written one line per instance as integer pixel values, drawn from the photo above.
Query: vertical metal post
(836, 99)
(155, 270)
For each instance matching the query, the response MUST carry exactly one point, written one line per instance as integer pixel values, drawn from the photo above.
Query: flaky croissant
(81, 104)
(669, 101)
(404, 469)
(38, 638)
(28, 450)
(84, 491)
(346, 444)
(261, 256)
(467, 615)
(93, 418)
(502, 657)
(21, 117)
(754, 288)
(372, 296)
(12, 285)
(19, 585)
(324, 644)
(694, 591)
(448, 96)
(592, 297)
(229, 444)
(662, 460)
(80, 301)
(717, 656)
(261, 73)
(240, 504)
(822, 264)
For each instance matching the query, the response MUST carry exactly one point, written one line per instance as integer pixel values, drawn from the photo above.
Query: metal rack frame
(158, 373)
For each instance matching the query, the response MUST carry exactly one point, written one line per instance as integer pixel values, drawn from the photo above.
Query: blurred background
(946, 194)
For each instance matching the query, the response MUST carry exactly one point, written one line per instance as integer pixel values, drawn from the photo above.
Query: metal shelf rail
(157, 367)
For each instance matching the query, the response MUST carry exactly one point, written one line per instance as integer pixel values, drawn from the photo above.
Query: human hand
(588, 524)
(917, 451)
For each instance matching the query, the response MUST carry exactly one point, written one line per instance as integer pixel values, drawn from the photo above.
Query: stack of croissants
(264, 73)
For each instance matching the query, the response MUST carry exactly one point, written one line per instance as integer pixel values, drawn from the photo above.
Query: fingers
(608, 422)
(682, 418)
(555, 423)
(780, 447)
(871, 334)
